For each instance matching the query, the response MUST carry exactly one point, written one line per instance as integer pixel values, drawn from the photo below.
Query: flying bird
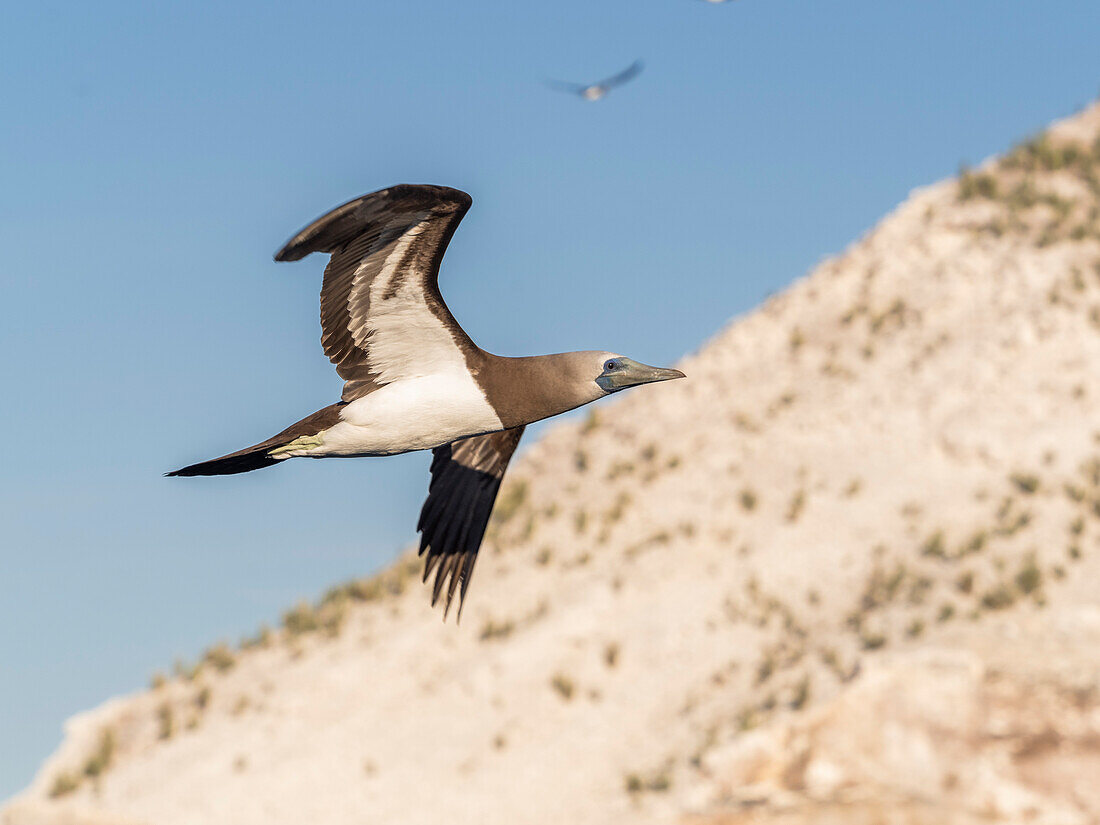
(414, 380)
(595, 91)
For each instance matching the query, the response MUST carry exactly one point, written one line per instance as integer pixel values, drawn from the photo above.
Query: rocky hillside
(847, 572)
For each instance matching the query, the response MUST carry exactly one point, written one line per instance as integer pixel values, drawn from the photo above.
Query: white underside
(415, 414)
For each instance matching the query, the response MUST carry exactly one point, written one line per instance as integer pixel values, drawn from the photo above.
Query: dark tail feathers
(242, 461)
(257, 456)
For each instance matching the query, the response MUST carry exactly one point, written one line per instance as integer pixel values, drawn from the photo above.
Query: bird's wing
(565, 86)
(382, 317)
(626, 74)
(466, 476)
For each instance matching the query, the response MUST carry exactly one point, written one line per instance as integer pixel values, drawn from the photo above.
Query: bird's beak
(633, 374)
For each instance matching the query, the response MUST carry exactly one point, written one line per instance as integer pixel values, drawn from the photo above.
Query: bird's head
(545, 385)
(617, 372)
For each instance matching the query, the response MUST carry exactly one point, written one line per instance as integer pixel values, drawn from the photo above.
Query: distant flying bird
(414, 380)
(595, 91)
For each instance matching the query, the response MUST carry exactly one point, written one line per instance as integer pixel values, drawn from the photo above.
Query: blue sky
(154, 156)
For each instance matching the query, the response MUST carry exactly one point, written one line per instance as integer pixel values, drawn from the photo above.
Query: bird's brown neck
(524, 390)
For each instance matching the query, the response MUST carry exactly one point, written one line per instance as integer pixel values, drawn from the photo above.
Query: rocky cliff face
(847, 572)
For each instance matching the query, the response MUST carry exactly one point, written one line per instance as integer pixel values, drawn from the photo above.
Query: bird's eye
(611, 365)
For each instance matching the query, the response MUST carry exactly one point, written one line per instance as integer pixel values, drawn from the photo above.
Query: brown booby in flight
(595, 91)
(414, 380)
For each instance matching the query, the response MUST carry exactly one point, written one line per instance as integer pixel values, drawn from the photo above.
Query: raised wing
(629, 73)
(382, 317)
(466, 477)
(565, 86)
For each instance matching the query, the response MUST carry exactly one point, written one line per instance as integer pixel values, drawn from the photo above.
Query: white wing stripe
(403, 338)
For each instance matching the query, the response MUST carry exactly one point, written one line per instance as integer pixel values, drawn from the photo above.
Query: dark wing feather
(629, 73)
(565, 86)
(466, 477)
(361, 236)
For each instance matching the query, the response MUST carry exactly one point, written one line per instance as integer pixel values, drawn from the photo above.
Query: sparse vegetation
(100, 759)
(882, 587)
(934, 546)
(63, 784)
(262, 639)
(998, 598)
(620, 468)
(656, 782)
(611, 654)
(1009, 520)
(801, 693)
(580, 521)
(974, 185)
(330, 611)
(919, 587)
(622, 501)
(794, 509)
(747, 719)
(300, 619)
(796, 340)
(1029, 578)
(893, 316)
(748, 499)
(185, 671)
(975, 543)
(332, 618)
(509, 502)
(745, 422)
(496, 630)
(783, 401)
(165, 721)
(1041, 154)
(872, 640)
(1026, 483)
(563, 685)
(1074, 493)
(765, 669)
(964, 582)
(220, 657)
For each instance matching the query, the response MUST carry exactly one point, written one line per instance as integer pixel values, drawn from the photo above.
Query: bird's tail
(261, 455)
(242, 461)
